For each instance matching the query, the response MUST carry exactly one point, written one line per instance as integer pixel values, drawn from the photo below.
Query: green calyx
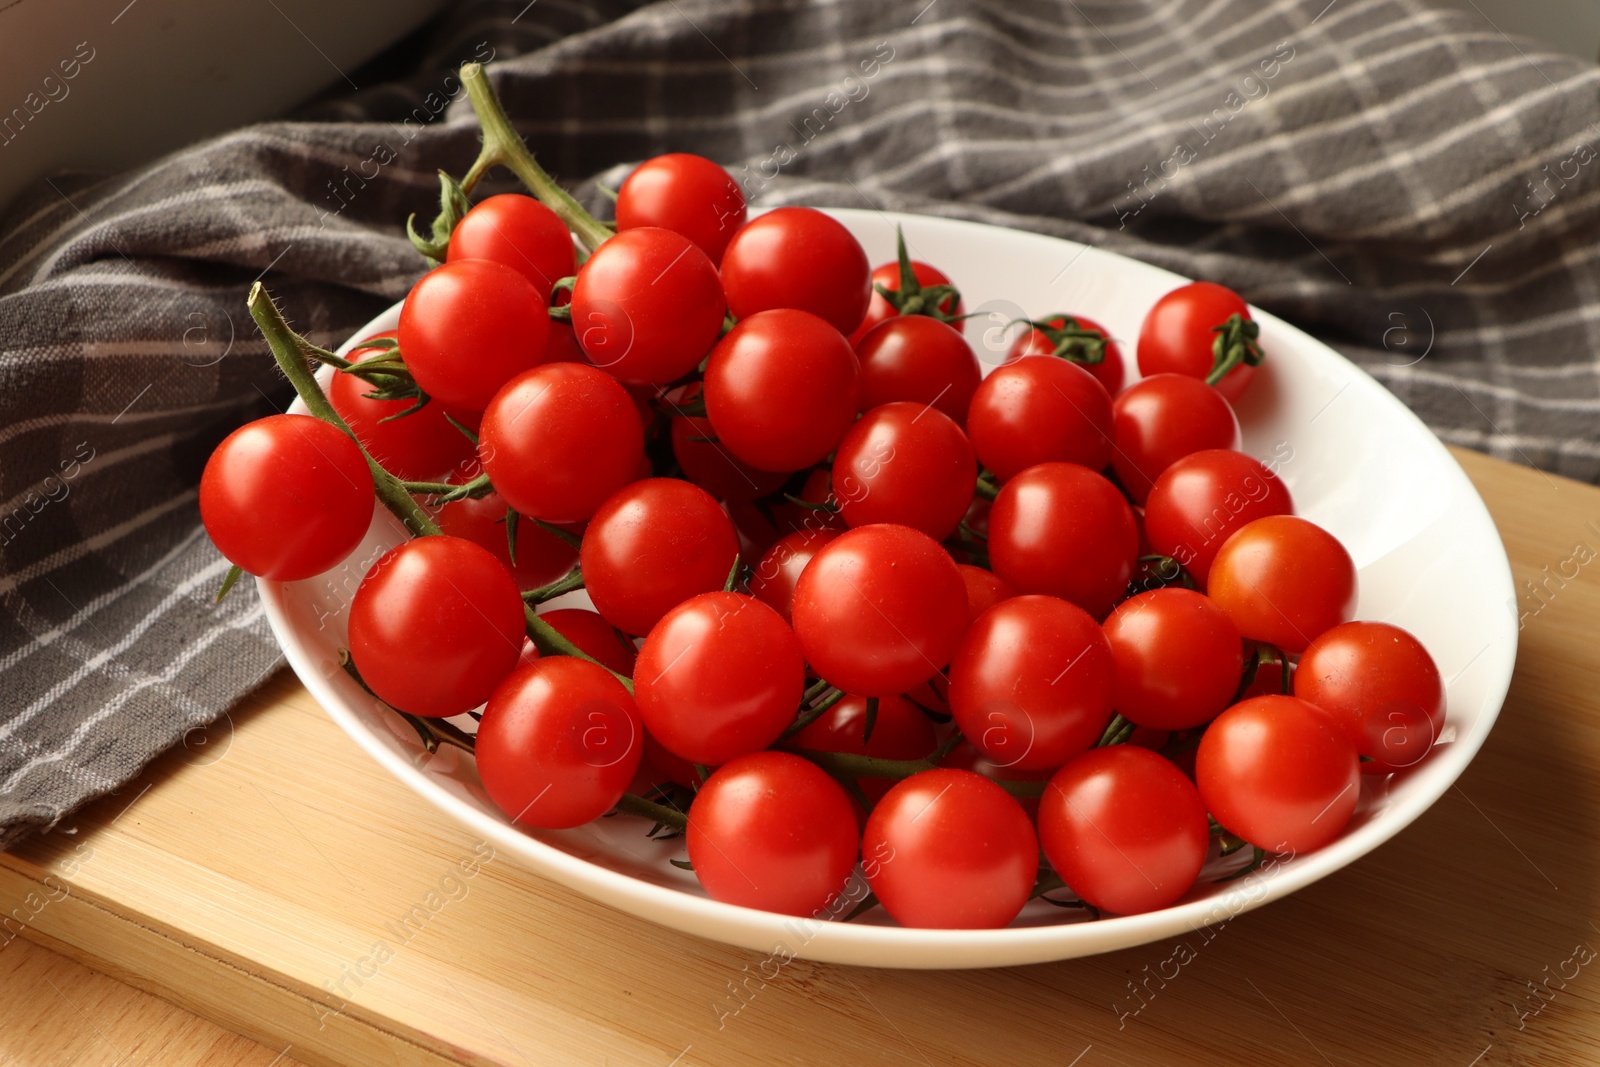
(1235, 345)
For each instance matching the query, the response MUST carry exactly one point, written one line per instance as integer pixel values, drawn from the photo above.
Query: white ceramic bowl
(1357, 462)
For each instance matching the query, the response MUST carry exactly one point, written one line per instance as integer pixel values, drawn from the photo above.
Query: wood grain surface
(276, 881)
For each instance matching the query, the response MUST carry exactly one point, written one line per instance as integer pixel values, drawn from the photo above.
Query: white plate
(1357, 462)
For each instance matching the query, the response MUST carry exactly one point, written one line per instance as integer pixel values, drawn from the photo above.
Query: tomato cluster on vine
(850, 596)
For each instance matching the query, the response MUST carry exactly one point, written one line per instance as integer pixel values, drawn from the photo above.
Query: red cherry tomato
(781, 389)
(880, 609)
(899, 731)
(985, 589)
(562, 346)
(880, 310)
(779, 570)
(542, 557)
(1284, 581)
(707, 463)
(593, 636)
(1203, 498)
(650, 547)
(967, 758)
(1032, 683)
(519, 232)
(1382, 685)
(1063, 530)
(558, 744)
(560, 439)
(1040, 410)
(797, 257)
(1124, 829)
(918, 358)
(435, 626)
(469, 327)
(647, 306)
(419, 447)
(1178, 333)
(905, 463)
(1179, 659)
(686, 194)
(663, 768)
(1163, 418)
(1279, 772)
(719, 676)
(1036, 342)
(949, 849)
(771, 831)
(286, 497)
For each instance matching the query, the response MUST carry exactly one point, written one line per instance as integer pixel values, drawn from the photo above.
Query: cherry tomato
(1062, 529)
(417, 447)
(779, 570)
(519, 232)
(469, 327)
(662, 767)
(1036, 342)
(1279, 772)
(559, 439)
(719, 676)
(1179, 658)
(781, 389)
(1179, 331)
(817, 489)
(558, 744)
(879, 609)
(1163, 418)
(593, 636)
(650, 547)
(286, 497)
(1382, 685)
(905, 463)
(879, 310)
(435, 626)
(711, 466)
(899, 731)
(917, 358)
(562, 346)
(542, 557)
(949, 849)
(1124, 829)
(1284, 581)
(1032, 683)
(686, 194)
(1199, 500)
(967, 758)
(985, 589)
(772, 831)
(647, 306)
(1040, 410)
(797, 257)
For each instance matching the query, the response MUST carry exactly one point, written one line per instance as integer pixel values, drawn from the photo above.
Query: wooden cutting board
(275, 881)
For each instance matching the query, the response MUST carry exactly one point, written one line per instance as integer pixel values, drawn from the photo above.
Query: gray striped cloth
(1409, 184)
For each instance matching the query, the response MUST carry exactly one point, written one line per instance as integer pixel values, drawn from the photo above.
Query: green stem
(445, 492)
(550, 642)
(848, 765)
(573, 579)
(812, 714)
(288, 349)
(1117, 731)
(503, 145)
(986, 489)
(631, 804)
